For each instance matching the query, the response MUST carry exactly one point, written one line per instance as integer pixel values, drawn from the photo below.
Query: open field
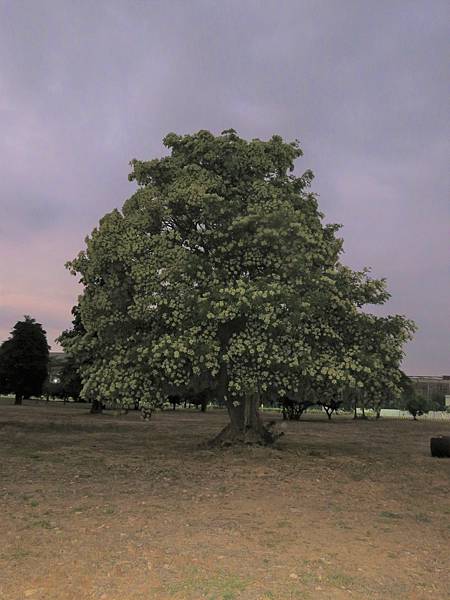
(112, 508)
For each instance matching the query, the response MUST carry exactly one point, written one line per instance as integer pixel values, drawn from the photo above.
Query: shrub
(417, 405)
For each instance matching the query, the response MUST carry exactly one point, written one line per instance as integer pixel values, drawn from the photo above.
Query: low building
(432, 387)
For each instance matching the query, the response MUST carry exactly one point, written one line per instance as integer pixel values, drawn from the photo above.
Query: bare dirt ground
(113, 508)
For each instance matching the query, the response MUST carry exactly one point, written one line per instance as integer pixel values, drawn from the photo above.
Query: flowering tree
(218, 274)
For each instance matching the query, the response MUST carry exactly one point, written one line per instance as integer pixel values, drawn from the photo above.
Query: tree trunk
(96, 408)
(18, 399)
(246, 426)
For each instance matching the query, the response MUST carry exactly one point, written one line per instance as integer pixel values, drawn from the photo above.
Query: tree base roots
(231, 436)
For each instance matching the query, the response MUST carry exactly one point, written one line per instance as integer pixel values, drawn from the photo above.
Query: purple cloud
(85, 87)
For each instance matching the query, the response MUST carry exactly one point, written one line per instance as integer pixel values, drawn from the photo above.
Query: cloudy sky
(86, 86)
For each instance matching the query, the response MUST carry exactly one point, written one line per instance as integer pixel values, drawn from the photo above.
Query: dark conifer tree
(24, 360)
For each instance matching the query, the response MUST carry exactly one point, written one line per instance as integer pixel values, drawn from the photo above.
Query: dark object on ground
(96, 407)
(440, 446)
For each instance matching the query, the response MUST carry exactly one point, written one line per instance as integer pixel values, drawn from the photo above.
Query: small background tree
(331, 403)
(24, 360)
(417, 405)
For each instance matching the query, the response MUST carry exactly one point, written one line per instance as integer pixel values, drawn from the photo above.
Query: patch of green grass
(300, 595)
(43, 523)
(422, 518)
(219, 586)
(272, 544)
(343, 525)
(283, 524)
(25, 453)
(359, 474)
(56, 458)
(308, 578)
(79, 509)
(390, 515)
(35, 456)
(317, 453)
(341, 580)
(16, 554)
(32, 502)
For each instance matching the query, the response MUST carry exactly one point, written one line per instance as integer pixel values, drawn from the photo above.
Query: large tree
(218, 274)
(24, 360)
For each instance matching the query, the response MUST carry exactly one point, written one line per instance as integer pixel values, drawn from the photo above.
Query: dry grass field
(113, 508)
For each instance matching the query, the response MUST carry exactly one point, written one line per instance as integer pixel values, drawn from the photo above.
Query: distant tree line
(358, 401)
(24, 372)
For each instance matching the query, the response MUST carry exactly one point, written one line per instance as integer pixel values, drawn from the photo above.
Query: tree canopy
(219, 275)
(24, 360)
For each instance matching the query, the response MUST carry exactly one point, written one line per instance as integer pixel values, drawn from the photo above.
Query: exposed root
(230, 436)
